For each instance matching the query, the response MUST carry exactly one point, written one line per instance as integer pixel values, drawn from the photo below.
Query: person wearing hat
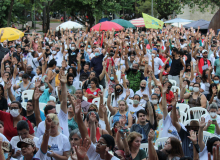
(105, 144)
(28, 147)
(208, 147)
(5, 150)
(187, 144)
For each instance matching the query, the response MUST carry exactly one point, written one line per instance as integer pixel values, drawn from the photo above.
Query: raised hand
(92, 117)
(78, 107)
(193, 136)
(37, 94)
(103, 108)
(48, 122)
(173, 102)
(127, 92)
(202, 123)
(82, 149)
(151, 135)
(62, 77)
(38, 82)
(165, 86)
(100, 94)
(8, 85)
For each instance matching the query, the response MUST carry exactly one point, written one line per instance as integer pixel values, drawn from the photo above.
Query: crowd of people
(110, 95)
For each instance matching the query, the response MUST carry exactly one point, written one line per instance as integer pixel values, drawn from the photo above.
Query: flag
(151, 22)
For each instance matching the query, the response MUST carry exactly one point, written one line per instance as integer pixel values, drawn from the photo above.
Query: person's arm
(130, 119)
(107, 124)
(63, 81)
(164, 101)
(111, 109)
(101, 76)
(35, 101)
(214, 91)
(184, 95)
(2, 157)
(92, 119)
(49, 85)
(200, 134)
(79, 62)
(181, 78)
(44, 144)
(146, 69)
(126, 63)
(100, 103)
(152, 154)
(115, 76)
(183, 64)
(8, 87)
(209, 74)
(125, 143)
(123, 77)
(2, 67)
(203, 101)
(151, 113)
(174, 118)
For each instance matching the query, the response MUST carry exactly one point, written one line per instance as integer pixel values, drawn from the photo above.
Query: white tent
(69, 25)
(181, 23)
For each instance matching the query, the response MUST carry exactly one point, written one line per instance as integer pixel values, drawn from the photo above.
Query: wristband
(78, 62)
(122, 75)
(197, 147)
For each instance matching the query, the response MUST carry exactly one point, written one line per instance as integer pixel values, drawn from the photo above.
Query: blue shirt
(96, 62)
(44, 98)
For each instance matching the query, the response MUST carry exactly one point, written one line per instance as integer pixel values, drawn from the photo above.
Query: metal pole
(34, 16)
(152, 7)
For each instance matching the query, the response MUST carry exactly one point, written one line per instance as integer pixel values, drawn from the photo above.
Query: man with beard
(69, 84)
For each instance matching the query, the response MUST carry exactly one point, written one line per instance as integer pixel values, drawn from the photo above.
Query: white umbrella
(181, 23)
(69, 25)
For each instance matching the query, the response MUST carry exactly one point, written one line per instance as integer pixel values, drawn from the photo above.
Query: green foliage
(145, 7)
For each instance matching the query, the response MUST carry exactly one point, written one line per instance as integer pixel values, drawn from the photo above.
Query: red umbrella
(107, 25)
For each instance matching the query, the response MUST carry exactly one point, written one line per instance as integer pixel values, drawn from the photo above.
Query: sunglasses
(90, 110)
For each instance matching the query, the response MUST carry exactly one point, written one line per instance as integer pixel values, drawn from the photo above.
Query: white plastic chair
(187, 123)
(42, 106)
(182, 107)
(24, 105)
(174, 88)
(57, 91)
(183, 117)
(97, 101)
(173, 82)
(80, 84)
(206, 136)
(160, 127)
(85, 99)
(161, 141)
(101, 87)
(27, 94)
(57, 108)
(118, 74)
(110, 121)
(197, 112)
(144, 146)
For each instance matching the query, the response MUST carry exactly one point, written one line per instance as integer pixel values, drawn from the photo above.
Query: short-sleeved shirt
(95, 93)
(187, 144)
(72, 124)
(71, 89)
(44, 98)
(169, 97)
(96, 62)
(141, 155)
(9, 129)
(29, 86)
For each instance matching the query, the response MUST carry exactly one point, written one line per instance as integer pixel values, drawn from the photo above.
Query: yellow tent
(11, 34)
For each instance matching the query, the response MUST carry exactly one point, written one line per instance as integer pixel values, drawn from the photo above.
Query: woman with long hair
(92, 92)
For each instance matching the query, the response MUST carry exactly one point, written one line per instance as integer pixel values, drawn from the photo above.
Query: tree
(145, 7)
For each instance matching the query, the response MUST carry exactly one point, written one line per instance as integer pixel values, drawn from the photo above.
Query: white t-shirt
(169, 130)
(63, 121)
(36, 77)
(76, 81)
(131, 93)
(29, 58)
(15, 140)
(133, 110)
(120, 97)
(35, 63)
(4, 139)
(58, 58)
(91, 55)
(146, 91)
(157, 63)
(203, 155)
(39, 155)
(58, 144)
(208, 117)
(93, 155)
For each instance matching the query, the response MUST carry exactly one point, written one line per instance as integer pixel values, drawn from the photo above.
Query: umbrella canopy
(69, 25)
(203, 24)
(139, 22)
(124, 23)
(178, 20)
(107, 26)
(11, 34)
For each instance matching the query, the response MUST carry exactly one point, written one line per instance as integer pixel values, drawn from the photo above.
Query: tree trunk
(48, 16)
(64, 16)
(44, 18)
(9, 13)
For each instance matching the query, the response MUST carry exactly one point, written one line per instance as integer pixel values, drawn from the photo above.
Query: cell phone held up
(123, 130)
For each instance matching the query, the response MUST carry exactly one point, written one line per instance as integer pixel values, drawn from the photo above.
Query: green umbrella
(124, 23)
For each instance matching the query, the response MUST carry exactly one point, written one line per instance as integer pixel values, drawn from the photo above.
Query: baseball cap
(204, 50)
(6, 146)
(27, 141)
(81, 45)
(96, 42)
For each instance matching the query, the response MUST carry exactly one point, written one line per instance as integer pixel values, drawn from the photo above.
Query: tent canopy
(178, 20)
(139, 22)
(203, 24)
(69, 25)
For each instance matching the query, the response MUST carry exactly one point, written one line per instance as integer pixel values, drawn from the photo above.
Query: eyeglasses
(167, 142)
(100, 143)
(90, 110)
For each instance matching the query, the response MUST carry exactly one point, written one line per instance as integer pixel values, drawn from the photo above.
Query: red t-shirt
(107, 65)
(169, 97)
(94, 93)
(9, 129)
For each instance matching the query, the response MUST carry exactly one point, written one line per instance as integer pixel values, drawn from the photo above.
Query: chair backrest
(160, 142)
(206, 136)
(85, 98)
(57, 108)
(24, 105)
(101, 87)
(160, 127)
(27, 94)
(57, 91)
(110, 121)
(42, 106)
(96, 101)
(182, 107)
(174, 88)
(173, 82)
(144, 146)
(183, 117)
(197, 112)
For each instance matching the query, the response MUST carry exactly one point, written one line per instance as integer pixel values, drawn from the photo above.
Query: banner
(151, 22)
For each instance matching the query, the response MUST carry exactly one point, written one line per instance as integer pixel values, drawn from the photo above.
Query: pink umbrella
(139, 22)
(107, 25)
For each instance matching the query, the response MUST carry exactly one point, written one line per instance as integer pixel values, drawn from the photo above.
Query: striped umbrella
(139, 22)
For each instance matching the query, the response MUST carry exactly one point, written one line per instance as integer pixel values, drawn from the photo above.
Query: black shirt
(176, 67)
(83, 75)
(3, 104)
(17, 55)
(31, 118)
(72, 56)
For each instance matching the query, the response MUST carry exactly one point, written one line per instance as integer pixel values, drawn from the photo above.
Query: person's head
(212, 142)
(28, 147)
(157, 91)
(213, 109)
(49, 109)
(174, 51)
(122, 105)
(25, 78)
(75, 137)
(136, 99)
(188, 68)
(118, 89)
(216, 79)
(141, 115)
(86, 67)
(115, 128)
(39, 70)
(135, 67)
(94, 82)
(173, 147)
(169, 85)
(4, 43)
(52, 64)
(15, 109)
(198, 79)
(154, 99)
(19, 50)
(105, 141)
(186, 82)
(96, 52)
(143, 84)
(72, 70)
(92, 75)
(7, 75)
(134, 140)
(70, 78)
(1, 127)
(29, 69)
(79, 93)
(211, 87)
(120, 154)
(146, 108)
(29, 107)
(23, 129)
(55, 127)
(205, 54)
(1, 90)
(167, 68)
(93, 107)
(196, 87)
(97, 118)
